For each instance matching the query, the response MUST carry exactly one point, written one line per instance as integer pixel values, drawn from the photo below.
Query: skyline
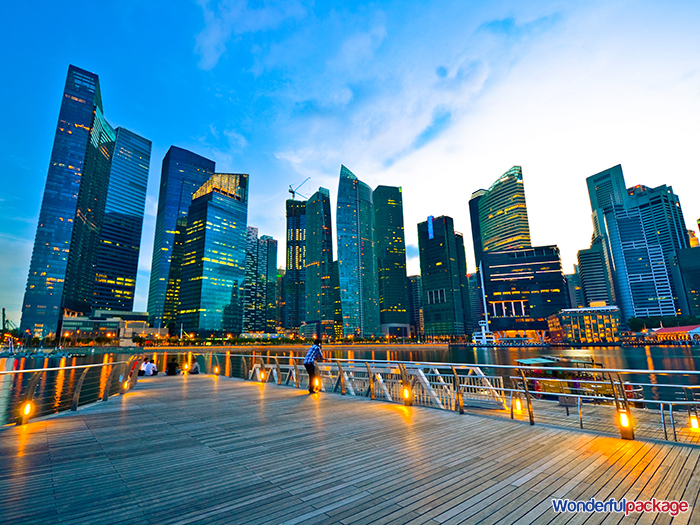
(399, 93)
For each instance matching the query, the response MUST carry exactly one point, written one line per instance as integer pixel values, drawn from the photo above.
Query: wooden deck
(199, 449)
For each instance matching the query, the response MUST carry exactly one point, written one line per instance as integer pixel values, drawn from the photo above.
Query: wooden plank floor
(201, 449)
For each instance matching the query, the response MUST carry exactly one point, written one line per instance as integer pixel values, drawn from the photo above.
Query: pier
(208, 449)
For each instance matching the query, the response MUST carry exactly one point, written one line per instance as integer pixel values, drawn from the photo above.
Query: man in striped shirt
(313, 355)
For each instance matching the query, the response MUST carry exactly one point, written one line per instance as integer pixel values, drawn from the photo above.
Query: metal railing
(65, 387)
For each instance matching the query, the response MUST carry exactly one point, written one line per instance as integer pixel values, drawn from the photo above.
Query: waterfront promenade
(202, 449)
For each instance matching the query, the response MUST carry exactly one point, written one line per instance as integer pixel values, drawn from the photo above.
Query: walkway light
(126, 385)
(518, 405)
(625, 423)
(317, 382)
(407, 395)
(694, 422)
(262, 376)
(216, 369)
(27, 408)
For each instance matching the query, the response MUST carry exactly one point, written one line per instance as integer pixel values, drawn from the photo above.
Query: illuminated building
(182, 173)
(415, 305)
(391, 261)
(502, 215)
(294, 292)
(260, 293)
(446, 308)
(94, 197)
(357, 259)
(596, 285)
(523, 288)
(320, 301)
(573, 284)
(693, 239)
(599, 325)
(686, 274)
(213, 265)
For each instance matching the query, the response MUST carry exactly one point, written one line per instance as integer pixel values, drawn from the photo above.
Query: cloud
(228, 19)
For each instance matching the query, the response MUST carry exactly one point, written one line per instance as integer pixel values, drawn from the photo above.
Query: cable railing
(36, 392)
(597, 399)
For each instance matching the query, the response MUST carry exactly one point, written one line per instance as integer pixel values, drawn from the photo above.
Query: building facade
(295, 275)
(391, 261)
(443, 278)
(415, 305)
(523, 288)
(182, 174)
(260, 293)
(213, 267)
(72, 269)
(357, 258)
(599, 325)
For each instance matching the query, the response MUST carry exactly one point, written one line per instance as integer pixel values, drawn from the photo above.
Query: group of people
(148, 367)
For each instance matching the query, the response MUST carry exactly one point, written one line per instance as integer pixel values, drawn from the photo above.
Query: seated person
(142, 370)
(195, 367)
(172, 368)
(150, 369)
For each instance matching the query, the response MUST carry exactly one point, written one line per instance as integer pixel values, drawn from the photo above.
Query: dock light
(262, 376)
(694, 422)
(625, 424)
(27, 408)
(407, 395)
(518, 405)
(126, 385)
(317, 383)
(216, 369)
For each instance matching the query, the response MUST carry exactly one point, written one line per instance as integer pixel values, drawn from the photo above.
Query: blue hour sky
(438, 97)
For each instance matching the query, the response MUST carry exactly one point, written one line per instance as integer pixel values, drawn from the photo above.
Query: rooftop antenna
(293, 191)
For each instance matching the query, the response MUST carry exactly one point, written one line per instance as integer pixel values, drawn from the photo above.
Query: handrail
(2, 372)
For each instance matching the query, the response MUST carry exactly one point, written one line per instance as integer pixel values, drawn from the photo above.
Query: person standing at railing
(313, 355)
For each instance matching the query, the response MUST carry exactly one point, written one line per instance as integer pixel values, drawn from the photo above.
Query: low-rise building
(585, 325)
(678, 333)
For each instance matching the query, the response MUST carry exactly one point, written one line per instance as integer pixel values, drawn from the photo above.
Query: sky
(438, 97)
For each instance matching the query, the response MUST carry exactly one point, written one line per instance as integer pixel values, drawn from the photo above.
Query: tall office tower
(415, 305)
(693, 239)
(607, 188)
(476, 299)
(281, 305)
(573, 283)
(120, 241)
(260, 294)
(84, 183)
(359, 291)
(213, 266)
(295, 276)
(503, 223)
(642, 281)
(391, 261)
(476, 225)
(320, 307)
(443, 277)
(686, 274)
(523, 288)
(182, 174)
(596, 284)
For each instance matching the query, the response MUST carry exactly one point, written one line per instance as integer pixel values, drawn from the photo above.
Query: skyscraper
(357, 260)
(476, 225)
(415, 305)
(72, 268)
(295, 275)
(183, 173)
(260, 303)
(391, 261)
(503, 222)
(320, 304)
(443, 278)
(213, 267)
(596, 283)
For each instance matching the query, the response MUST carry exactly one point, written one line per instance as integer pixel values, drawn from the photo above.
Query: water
(55, 389)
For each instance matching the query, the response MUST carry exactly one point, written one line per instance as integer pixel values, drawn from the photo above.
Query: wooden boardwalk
(202, 449)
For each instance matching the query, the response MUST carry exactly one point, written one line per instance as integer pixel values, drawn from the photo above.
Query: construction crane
(293, 191)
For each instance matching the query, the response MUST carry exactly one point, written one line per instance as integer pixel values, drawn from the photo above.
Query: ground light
(216, 370)
(694, 422)
(27, 409)
(518, 405)
(317, 383)
(262, 376)
(407, 397)
(624, 421)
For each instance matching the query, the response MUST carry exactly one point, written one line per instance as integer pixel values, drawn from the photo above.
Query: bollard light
(694, 422)
(216, 369)
(262, 376)
(126, 385)
(407, 395)
(317, 383)
(625, 424)
(27, 408)
(518, 405)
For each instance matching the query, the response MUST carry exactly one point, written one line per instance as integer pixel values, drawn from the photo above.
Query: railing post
(663, 420)
(673, 423)
(341, 378)
(459, 401)
(370, 390)
(108, 386)
(78, 388)
(511, 405)
(24, 413)
(407, 391)
(527, 397)
(279, 372)
(244, 368)
(297, 381)
(580, 412)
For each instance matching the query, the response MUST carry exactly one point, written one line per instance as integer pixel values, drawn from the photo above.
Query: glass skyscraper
(72, 269)
(502, 215)
(446, 307)
(391, 261)
(183, 172)
(357, 260)
(213, 266)
(295, 274)
(260, 303)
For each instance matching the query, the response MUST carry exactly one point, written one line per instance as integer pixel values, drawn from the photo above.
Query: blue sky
(440, 98)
